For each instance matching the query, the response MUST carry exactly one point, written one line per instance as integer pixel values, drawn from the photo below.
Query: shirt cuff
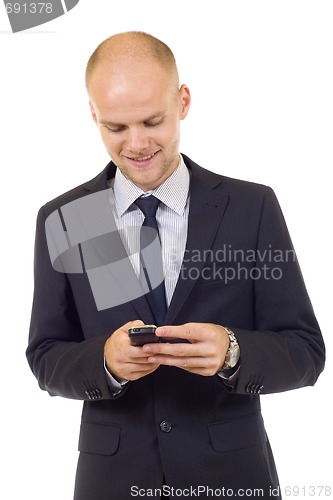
(230, 377)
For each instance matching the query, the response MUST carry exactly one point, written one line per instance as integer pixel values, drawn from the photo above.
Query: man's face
(138, 111)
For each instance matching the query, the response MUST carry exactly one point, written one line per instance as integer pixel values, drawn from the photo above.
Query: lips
(142, 158)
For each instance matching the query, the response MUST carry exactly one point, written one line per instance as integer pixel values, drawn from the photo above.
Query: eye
(154, 123)
(115, 130)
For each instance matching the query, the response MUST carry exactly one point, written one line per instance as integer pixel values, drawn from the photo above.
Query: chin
(146, 185)
(146, 180)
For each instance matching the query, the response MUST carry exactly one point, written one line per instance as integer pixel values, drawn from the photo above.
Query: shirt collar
(173, 192)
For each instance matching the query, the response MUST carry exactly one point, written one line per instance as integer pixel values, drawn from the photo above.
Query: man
(183, 413)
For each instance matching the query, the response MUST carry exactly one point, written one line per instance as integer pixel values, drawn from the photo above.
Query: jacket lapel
(207, 206)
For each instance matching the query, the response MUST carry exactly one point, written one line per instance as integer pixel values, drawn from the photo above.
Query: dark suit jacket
(193, 429)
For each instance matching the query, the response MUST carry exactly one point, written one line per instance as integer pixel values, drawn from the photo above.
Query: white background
(261, 78)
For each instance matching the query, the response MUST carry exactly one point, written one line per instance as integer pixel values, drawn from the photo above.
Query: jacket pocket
(101, 439)
(237, 434)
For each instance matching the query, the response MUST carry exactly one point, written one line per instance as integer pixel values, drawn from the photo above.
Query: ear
(185, 101)
(93, 112)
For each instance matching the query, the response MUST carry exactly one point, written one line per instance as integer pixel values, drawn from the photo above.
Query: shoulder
(98, 183)
(225, 184)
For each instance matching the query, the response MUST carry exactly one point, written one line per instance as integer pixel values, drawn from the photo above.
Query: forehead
(129, 73)
(121, 93)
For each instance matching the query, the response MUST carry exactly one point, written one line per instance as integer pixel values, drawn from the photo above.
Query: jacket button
(253, 388)
(165, 426)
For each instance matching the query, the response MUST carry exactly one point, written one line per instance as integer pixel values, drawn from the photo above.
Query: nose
(137, 139)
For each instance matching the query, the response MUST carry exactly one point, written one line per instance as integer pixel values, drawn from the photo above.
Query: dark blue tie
(151, 269)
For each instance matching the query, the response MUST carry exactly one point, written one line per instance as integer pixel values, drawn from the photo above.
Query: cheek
(168, 135)
(109, 141)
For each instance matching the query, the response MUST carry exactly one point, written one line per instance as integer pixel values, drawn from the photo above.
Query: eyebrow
(150, 118)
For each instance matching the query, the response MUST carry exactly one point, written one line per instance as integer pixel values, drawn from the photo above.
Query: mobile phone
(140, 335)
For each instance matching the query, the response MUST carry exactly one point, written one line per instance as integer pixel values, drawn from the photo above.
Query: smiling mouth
(142, 158)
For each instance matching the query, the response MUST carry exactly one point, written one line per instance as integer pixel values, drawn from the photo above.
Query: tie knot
(148, 205)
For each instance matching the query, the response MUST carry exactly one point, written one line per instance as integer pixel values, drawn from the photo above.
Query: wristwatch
(233, 353)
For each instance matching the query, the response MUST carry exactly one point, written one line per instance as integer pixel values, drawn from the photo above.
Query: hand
(123, 360)
(203, 355)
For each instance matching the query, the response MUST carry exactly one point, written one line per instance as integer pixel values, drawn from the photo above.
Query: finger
(197, 365)
(172, 349)
(132, 324)
(192, 332)
(137, 354)
(181, 349)
(172, 331)
(134, 375)
(138, 368)
(185, 363)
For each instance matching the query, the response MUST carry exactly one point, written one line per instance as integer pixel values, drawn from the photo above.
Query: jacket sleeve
(285, 350)
(64, 362)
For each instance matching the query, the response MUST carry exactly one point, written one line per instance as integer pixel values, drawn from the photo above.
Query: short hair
(136, 44)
